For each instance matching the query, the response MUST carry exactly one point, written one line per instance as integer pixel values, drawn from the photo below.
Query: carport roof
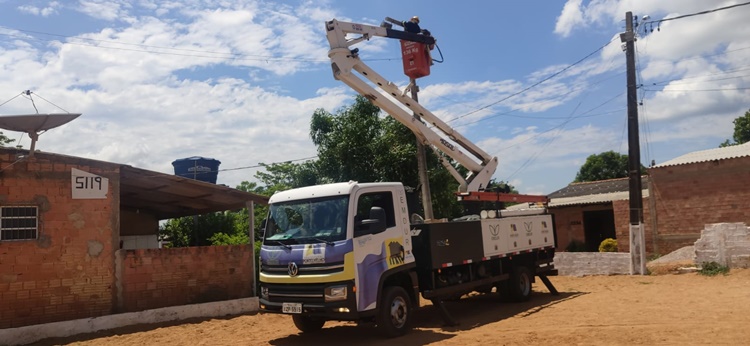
(170, 196)
(163, 195)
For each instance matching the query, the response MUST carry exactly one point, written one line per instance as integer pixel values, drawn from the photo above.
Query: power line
(94, 43)
(694, 14)
(574, 88)
(535, 84)
(685, 90)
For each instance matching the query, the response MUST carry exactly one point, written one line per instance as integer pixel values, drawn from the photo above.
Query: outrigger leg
(447, 318)
(548, 284)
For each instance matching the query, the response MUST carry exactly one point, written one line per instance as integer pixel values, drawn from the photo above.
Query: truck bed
(446, 244)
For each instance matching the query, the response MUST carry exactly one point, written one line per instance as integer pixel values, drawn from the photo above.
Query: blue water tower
(198, 168)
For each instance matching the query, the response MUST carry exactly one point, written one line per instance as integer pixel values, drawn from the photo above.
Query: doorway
(597, 226)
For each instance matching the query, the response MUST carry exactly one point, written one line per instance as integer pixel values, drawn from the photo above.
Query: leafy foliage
(741, 131)
(576, 245)
(5, 140)
(713, 269)
(608, 245)
(197, 230)
(607, 165)
(357, 143)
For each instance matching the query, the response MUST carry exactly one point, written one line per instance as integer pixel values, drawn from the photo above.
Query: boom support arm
(345, 61)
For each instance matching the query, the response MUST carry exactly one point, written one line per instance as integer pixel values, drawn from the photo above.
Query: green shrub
(713, 269)
(608, 245)
(576, 245)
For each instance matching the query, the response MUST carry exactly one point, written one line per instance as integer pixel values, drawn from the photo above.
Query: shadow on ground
(471, 312)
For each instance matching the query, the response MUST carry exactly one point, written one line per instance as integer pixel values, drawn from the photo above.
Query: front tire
(307, 324)
(394, 316)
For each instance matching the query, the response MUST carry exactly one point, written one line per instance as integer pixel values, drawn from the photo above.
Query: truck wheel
(519, 284)
(307, 324)
(393, 317)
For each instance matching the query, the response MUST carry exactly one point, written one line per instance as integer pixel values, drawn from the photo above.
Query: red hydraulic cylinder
(416, 59)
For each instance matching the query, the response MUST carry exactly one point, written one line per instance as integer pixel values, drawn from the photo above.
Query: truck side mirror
(374, 224)
(263, 225)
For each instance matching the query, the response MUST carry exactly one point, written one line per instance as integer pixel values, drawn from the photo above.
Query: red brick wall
(622, 225)
(568, 225)
(68, 272)
(155, 278)
(690, 196)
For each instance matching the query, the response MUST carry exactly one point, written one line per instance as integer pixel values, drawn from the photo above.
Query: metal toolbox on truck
(450, 243)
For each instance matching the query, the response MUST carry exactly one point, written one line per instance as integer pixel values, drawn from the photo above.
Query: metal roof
(595, 187)
(730, 152)
(593, 199)
(163, 195)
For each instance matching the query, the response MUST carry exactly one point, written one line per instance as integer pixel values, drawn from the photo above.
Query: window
(307, 220)
(378, 199)
(18, 223)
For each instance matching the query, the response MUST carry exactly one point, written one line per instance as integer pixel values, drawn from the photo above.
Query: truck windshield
(307, 221)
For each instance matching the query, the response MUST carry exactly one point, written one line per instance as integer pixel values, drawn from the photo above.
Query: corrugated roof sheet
(730, 152)
(595, 187)
(593, 199)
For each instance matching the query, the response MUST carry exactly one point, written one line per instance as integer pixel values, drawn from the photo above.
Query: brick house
(680, 197)
(78, 239)
(590, 212)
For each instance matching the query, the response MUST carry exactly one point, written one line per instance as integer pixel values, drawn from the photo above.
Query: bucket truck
(349, 251)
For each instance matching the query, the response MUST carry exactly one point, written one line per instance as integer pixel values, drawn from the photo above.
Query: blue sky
(239, 80)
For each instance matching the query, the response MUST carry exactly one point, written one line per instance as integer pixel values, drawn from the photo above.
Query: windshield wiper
(287, 246)
(328, 242)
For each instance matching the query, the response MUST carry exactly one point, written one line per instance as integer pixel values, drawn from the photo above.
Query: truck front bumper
(312, 298)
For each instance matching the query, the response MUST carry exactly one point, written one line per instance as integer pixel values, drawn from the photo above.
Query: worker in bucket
(412, 25)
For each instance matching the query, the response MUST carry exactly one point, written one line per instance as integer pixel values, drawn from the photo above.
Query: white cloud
(50, 9)
(109, 10)
(570, 17)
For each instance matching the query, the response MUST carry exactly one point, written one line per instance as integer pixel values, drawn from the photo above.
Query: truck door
(378, 252)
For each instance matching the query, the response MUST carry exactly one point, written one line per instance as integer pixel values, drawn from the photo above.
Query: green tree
(603, 166)
(5, 140)
(287, 175)
(357, 143)
(741, 131)
(198, 230)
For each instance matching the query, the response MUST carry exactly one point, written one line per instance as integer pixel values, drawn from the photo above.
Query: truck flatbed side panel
(517, 234)
(452, 243)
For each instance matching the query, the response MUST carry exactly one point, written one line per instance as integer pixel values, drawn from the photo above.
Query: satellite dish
(35, 124)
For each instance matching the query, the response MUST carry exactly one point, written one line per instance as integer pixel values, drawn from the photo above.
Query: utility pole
(637, 235)
(424, 180)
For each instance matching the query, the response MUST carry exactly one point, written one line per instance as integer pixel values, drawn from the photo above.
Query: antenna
(35, 124)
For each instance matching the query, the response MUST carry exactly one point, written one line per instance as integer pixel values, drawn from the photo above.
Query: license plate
(291, 308)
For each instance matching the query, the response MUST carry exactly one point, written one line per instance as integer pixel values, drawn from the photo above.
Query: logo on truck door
(395, 252)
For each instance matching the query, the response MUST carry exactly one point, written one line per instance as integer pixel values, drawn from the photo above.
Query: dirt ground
(665, 309)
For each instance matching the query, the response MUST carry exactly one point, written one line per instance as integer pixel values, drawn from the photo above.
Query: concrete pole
(424, 179)
(637, 235)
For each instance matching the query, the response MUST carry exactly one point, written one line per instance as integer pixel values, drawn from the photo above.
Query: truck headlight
(335, 293)
(264, 292)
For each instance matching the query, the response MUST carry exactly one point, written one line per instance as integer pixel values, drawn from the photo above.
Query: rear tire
(307, 324)
(393, 317)
(519, 284)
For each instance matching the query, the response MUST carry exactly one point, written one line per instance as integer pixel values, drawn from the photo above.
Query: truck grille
(304, 269)
(296, 293)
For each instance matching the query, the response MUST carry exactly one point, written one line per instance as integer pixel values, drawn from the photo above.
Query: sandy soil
(667, 309)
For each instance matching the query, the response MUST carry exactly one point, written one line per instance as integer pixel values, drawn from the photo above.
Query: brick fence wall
(688, 197)
(67, 272)
(154, 278)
